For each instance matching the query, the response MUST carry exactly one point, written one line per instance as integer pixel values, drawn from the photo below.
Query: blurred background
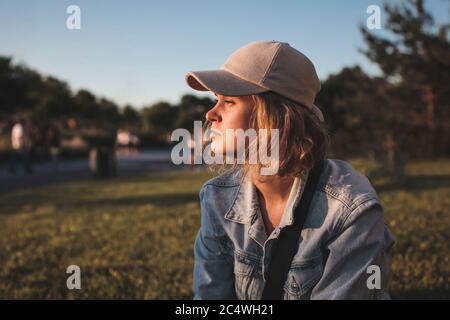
(86, 117)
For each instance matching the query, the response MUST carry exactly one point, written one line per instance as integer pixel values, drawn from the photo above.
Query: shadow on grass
(84, 193)
(10, 184)
(422, 294)
(161, 200)
(169, 199)
(416, 183)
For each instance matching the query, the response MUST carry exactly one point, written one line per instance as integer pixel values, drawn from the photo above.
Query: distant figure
(21, 148)
(54, 144)
(18, 136)
(123, 142)
(126, 142)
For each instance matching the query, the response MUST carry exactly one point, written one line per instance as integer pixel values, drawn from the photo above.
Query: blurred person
(20, 143)
(134, 142)
(123, 142)
(315, 229)
(35, 141)
(127, 142)
(54, 144)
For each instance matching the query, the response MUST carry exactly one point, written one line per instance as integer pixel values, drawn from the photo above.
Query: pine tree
(416, 55)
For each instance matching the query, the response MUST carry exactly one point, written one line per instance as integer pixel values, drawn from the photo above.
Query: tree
(108, 111)
(85, 105)
(20, 88)
(354, 111)
(417, 57)
(131, 118)
(192, 108)
(54, 101)
(371, 117)
(27, 94)
(9, 90)
(159, 118)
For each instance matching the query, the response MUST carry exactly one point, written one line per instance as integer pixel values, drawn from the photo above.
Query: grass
(417, 212)
(133, 237)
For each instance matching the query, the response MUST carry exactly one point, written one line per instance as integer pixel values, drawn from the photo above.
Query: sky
(138, 52)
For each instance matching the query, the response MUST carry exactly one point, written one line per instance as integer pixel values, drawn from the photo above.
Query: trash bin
(102, 161)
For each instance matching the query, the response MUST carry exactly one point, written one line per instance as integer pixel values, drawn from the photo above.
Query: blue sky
(138, 51)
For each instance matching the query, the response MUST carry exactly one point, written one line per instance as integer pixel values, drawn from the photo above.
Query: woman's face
(228, 113)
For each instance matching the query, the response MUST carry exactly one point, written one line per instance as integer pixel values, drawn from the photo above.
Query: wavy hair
(303, 139)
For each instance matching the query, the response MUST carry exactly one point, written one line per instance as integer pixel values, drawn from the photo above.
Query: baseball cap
(263, 66)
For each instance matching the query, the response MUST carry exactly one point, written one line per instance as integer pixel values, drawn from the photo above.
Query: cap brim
(227, 84)
(222, 82)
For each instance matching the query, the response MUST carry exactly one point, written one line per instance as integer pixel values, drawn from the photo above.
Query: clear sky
(138, 51)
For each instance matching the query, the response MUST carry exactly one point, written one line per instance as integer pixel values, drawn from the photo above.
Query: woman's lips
(215, 132)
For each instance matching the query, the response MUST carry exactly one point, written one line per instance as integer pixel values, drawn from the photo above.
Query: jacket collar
(246, 206)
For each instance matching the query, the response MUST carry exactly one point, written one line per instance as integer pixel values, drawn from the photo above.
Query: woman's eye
(229, 102)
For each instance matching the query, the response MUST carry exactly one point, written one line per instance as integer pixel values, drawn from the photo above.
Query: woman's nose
(213, 115)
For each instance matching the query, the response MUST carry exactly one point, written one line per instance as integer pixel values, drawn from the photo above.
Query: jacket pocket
(245, 271)
(302, 277)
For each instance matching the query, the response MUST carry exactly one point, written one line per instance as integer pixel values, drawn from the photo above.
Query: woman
(343, 251)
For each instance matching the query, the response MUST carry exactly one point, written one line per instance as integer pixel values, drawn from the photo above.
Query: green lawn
(133, 237)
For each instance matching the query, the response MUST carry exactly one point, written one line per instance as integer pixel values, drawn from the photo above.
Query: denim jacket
(343, 235)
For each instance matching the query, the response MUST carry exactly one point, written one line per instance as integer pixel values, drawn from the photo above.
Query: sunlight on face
(228, 113)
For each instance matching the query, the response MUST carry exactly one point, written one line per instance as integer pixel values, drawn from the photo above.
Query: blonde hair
(304, 140)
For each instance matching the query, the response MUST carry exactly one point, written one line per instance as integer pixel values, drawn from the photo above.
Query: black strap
(286, 246)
